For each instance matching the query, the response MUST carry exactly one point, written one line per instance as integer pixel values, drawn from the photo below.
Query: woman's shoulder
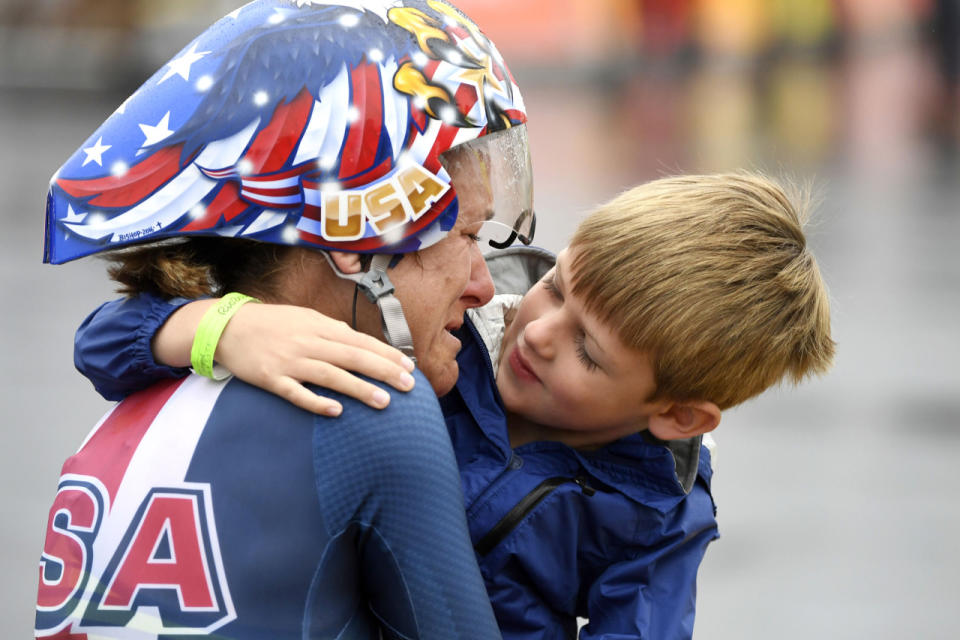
(418, 405)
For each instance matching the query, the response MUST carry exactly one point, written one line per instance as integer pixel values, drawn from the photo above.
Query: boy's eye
(474, 237)
(551, 287)
(582, 354)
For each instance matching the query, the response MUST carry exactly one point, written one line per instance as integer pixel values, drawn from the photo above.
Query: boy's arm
(127, 345)
(654, 594)
(112, 347)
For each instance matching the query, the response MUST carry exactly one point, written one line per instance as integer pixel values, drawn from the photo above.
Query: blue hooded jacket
(614, 535)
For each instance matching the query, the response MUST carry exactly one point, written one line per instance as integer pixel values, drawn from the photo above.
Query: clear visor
(492, 175)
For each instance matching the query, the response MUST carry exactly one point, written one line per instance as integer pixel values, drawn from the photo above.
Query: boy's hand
(279, 348)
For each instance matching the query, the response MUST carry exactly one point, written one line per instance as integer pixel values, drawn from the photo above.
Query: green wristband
(211, 328)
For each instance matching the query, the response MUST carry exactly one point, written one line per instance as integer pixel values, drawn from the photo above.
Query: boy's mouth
(521, 367)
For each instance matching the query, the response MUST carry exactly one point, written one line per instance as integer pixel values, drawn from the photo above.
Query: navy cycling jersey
(216, 509)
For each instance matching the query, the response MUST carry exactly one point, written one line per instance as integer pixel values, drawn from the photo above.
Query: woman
(284, 133)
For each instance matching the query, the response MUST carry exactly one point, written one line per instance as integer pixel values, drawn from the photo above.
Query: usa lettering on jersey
(130, 545)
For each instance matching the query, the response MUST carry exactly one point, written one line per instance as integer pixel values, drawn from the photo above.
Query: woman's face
(446, 279)
(563, 369)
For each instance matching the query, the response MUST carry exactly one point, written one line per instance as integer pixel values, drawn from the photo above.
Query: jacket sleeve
(653, 595)
(112, 346)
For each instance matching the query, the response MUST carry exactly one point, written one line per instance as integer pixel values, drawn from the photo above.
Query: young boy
(579, 413)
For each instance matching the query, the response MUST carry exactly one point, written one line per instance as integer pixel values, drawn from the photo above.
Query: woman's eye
(474, 237)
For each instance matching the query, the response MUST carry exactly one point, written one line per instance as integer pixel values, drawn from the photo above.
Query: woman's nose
(480, 288)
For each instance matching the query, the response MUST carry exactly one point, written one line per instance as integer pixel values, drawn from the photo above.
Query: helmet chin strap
(376, 285)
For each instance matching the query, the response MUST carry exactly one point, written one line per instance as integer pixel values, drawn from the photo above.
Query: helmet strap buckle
(375, 284)
(378, 289)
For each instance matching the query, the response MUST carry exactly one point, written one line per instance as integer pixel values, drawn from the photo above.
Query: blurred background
(838, 515)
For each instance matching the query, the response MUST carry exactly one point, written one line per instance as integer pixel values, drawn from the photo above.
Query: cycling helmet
(300, 122)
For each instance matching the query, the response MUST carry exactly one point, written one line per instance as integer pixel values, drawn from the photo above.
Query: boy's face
(562, 368)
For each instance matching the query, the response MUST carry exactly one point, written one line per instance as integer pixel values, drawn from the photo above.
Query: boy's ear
(346, 262)
(680, 420)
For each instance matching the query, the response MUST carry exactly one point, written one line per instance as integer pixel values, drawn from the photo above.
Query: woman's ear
(346, 262)
(680, 420)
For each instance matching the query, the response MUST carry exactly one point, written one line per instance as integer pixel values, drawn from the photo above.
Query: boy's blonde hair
(712, 277)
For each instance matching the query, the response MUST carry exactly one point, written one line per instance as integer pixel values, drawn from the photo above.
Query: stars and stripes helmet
(301, 122)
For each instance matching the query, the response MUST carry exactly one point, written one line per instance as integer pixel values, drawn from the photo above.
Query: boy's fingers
(296, 394)
(360, 360)
(334, 378)
(347, 336)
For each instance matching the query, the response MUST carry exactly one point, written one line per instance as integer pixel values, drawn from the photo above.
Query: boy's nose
(538, 337)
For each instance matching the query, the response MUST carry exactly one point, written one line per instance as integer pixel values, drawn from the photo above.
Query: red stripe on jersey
(66, 635)
(272, 147)
(119, 436)
(363, 137)
(136, 184)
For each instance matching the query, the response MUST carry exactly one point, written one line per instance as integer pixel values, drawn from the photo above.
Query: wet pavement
(836, 504)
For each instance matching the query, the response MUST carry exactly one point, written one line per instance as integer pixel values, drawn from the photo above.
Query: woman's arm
(126, 345)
